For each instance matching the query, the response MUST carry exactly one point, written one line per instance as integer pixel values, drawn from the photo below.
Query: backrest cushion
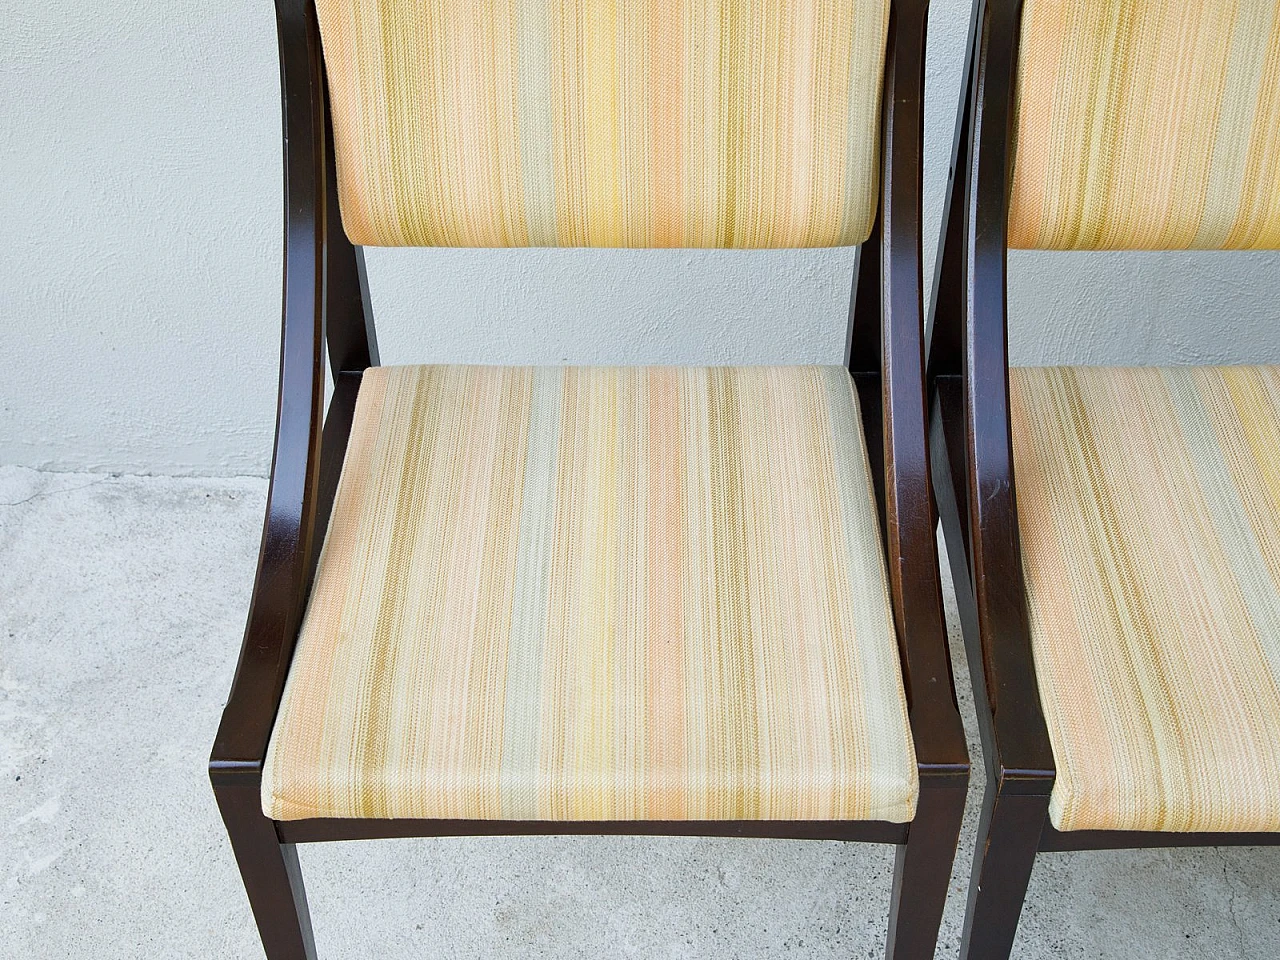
(1147, 124)
(610, 123)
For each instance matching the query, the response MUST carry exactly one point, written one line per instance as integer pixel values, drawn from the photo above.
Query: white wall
(140, 258)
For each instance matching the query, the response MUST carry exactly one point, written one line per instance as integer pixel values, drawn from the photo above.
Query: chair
(667, 601)
(1114, 533)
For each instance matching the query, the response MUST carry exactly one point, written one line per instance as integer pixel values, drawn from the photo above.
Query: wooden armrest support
(909, 516)
(284, 566)
(978, 435)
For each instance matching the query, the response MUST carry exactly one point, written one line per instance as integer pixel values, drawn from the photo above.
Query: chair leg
(922, 872)
(272, 877)
(1008, 838)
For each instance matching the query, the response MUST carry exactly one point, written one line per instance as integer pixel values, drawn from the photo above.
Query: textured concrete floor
(122, 600)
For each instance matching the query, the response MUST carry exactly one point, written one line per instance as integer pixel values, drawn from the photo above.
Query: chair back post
(909, 520)
(944, 337)
(862, 335)
(285, 557)
(1021, 738)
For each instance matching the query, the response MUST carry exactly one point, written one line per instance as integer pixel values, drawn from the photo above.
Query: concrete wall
(140, 258)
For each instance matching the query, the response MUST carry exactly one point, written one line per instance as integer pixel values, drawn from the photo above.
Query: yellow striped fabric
(646, 123)
(1149, 510)
(1147, 125)
(599, 594)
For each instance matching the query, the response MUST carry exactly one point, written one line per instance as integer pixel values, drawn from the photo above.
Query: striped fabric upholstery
(1149, 509)
(599, 594)
(1147, 124)
(649, 123)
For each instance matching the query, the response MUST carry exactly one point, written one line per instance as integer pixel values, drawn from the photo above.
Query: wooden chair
(502, 601)
(1113, 533)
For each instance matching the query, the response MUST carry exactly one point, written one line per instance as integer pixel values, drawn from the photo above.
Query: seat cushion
(598, 594)
(1149, 511)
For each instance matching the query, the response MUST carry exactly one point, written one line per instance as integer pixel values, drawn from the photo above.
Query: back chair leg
(272, 877)
(1008, 838)
(922, 872)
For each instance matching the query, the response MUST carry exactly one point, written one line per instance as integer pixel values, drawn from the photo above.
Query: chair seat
(1149, 512)
(599, 594)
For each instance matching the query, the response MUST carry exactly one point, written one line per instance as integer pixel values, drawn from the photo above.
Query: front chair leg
(272, 877)
(1008, 838)
(922, 871)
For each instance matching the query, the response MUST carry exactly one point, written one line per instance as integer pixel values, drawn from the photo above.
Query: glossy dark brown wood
(976, 496)
(279, 589)
(922, 866)
(867, 831)
(327, 310)
(337, 429)
(269, 868)
(909, 519)
(272, 877)
(862, 341)
(1021, 743)
(1054, 841)
(945, 331)
(1008, 832)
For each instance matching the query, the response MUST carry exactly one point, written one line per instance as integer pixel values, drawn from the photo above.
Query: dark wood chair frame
(971, 440)
(326, 304)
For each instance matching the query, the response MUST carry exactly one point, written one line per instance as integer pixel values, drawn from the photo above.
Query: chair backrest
(611, 123)
(1147, 124)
